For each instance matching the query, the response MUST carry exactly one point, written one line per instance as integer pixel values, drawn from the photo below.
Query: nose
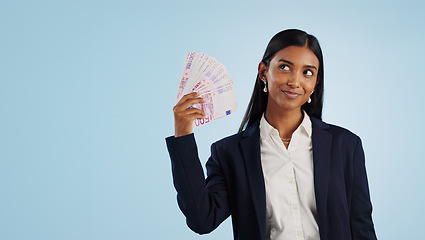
(294, 80)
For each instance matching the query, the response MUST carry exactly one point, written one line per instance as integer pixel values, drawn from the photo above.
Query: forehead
(297, 55)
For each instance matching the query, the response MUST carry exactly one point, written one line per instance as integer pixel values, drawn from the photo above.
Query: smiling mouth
(291, 94)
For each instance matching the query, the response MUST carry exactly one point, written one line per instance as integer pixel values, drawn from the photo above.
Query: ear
(262, 70)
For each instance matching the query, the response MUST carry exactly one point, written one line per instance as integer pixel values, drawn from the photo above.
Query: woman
(286, 174)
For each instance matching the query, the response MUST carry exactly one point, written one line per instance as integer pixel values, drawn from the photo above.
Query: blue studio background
(87, 90)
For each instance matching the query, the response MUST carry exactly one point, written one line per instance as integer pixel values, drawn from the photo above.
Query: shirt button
(299, 233)
(291, 181)
(295, 207)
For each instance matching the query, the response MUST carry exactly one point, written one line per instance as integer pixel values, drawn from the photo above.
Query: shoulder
(336, 131)
(250, 136)
(229, 141)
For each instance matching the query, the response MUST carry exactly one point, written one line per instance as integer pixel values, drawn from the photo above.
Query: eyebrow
(288, 62)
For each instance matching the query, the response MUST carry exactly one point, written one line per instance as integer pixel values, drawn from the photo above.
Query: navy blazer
(235, 184)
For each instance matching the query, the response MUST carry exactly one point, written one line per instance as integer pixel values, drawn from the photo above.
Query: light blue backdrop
(87, 90)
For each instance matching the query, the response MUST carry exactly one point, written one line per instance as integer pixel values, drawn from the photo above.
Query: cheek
(276, 79)
(272, 83)
(309, 86)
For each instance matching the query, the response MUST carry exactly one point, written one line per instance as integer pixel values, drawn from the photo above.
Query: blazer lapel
(321, 141)
(250, 146)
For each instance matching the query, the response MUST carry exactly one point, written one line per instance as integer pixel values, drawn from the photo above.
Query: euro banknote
(208, 77)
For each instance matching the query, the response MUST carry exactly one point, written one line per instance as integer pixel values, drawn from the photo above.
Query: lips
(291, 94)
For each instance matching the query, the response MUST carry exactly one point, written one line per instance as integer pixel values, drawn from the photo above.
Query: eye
(308, 72)
(284, 67)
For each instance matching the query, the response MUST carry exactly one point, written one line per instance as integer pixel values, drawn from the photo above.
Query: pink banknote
(208, 77)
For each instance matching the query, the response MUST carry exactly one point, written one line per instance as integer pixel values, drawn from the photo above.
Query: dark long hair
(258, 103)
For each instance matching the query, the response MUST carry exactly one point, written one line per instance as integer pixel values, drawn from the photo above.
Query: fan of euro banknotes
(208, 77)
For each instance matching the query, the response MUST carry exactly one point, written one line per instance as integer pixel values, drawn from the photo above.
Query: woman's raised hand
(184, 115)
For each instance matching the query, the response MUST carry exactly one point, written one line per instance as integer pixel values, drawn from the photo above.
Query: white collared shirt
(289, 182)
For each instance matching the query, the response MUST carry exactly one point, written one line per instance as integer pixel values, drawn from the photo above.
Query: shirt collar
(266, 129)
(306, 124)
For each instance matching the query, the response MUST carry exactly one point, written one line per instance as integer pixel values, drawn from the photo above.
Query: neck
(285, 121)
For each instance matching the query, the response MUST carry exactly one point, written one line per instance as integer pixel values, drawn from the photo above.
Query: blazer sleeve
(361, 207)
(204, 202)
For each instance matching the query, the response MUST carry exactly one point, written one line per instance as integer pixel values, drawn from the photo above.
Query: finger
(191, 117)
(197, 111)
(186, 114)
(188, 103)
(195, 116)
(187, 96)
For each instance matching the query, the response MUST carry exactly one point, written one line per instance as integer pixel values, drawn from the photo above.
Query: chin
(290, 107)
(283, 104)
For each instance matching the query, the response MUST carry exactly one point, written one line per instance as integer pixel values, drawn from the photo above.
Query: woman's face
(291, 77)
